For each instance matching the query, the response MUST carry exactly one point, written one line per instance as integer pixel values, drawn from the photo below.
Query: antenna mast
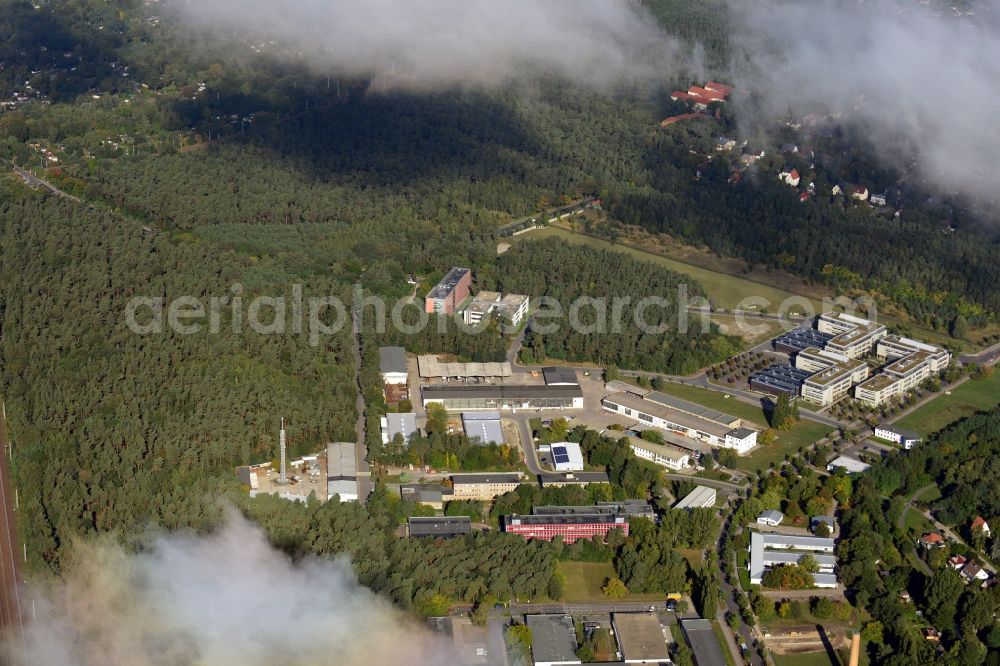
(282, 475)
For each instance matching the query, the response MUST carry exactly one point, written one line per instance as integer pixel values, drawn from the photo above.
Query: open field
(805, 659)
(801, 434)
(790, 441)
(726, 289)
(965, 400)
(584, 581)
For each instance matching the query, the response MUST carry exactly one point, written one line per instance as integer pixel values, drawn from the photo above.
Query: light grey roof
(697, 498)
(496, 477)
(404, 424)
(704, 644)
(693, 409)
(483, 430)
(340, 461)
(429, 367)
(553, 638)
(771, 514)
(581, 478)
(499, 392)
(391, 359)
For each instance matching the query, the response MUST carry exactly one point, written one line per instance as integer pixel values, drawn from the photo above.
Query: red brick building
(449, 292)
(569, 527)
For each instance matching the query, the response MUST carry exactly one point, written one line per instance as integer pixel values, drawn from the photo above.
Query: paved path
(901, 521)
(360, 448)
(34, 181)
(11, 610)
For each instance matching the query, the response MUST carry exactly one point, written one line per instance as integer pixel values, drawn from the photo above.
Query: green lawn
(790, 441)
(584, 581)
(801, 434)
(916, 522)
(718, 401)
(805, 659)
(972, 396)
(726, 290)
(719, 636)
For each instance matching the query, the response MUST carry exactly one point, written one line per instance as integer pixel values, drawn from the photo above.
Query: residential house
(790, 176)
(956, 562)
(980, 524)
(859, 193)
(931, 540)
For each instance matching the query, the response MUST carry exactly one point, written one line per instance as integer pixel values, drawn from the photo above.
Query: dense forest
(566, 273)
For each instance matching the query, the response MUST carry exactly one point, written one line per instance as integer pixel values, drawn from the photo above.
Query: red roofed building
(719, 87)
(957, 562)
(932, 540)
(679, 95)
(980, 524)
(667, 122)
(804, 197)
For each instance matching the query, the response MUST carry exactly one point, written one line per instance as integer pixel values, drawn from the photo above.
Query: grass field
(916, 523)
(725, 290)
(802, 433)
(805, 659)
(969, 398)
(584, 581)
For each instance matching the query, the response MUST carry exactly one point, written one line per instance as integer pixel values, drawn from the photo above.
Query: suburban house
(790, 176)
(980, 524)
(931, 540)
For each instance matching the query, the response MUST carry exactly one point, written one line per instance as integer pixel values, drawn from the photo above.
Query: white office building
(770, 549)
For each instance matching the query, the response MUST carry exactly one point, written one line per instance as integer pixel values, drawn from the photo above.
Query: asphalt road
(362, 467)
(33, 181)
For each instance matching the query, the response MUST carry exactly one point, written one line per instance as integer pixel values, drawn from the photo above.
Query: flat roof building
(483, 427)
(449, 293)
(693, 409)
(877, 390)
(559, 479)
(556, 376)
(483, 486)
(429, 367)
(701, 637)
(701, 497)
(392, 365)
(438, 526)
(902, 436)
(850, 465)
(433, 495)
(770, 549)
(553, 640)
(567, 457)
(511, 308)
(482, 305)
(832, 383)
(640, 638)
(853, 337)
(341, 471)
(715, 428)
(503, 397)
(779, 379)
(570, 526)
(396, 423)
(630, 508)
(671, 457)
(799, 339)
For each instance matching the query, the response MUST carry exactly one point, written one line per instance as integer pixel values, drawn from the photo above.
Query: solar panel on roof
(561, 458)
